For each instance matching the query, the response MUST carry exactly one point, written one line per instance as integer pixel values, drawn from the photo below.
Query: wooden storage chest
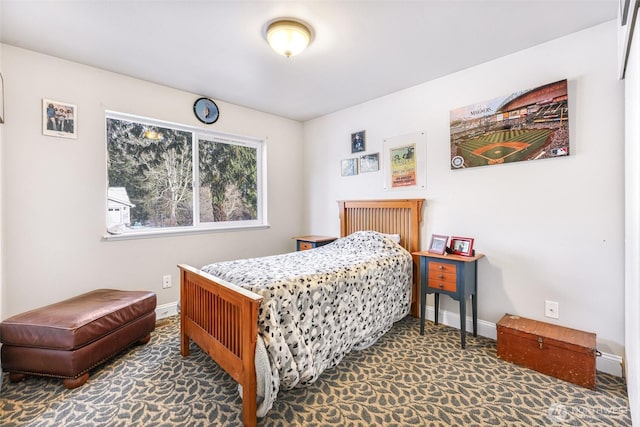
(564, 353)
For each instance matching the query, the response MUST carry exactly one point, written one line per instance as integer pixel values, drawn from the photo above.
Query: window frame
(197, 226)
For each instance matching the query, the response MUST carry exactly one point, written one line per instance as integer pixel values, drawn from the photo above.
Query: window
(153, 168)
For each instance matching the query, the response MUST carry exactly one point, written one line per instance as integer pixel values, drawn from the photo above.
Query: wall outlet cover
(552, 309)
(166, 281)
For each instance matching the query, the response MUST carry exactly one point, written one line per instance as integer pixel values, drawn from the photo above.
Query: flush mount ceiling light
(288, 37)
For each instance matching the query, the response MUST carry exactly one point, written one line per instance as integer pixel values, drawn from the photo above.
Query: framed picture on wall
(357, 142)
(529, 124)
(462, 246)
(369, 162)
(59, 119)
(404, 162)
(438, 244)
(349, 167)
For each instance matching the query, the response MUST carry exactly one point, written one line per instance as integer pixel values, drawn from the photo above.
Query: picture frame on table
(438, 244)
(462, 246)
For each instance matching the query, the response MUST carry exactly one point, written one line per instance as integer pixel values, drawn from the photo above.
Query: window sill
(170, 232)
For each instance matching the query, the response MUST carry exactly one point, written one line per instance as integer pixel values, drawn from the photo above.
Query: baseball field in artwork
(526, 125)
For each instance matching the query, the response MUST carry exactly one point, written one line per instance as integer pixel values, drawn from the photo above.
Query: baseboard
(610, 364)
(167, 310)
(607, 363)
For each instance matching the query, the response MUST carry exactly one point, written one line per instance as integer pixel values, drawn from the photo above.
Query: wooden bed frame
(222, 318)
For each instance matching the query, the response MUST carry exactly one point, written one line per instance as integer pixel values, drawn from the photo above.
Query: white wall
(551, 229)
(632, 222)
(54, 194)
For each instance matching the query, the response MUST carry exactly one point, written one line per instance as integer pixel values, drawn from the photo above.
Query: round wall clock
(206, 110)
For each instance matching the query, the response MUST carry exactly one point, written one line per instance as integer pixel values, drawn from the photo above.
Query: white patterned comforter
(322, 303)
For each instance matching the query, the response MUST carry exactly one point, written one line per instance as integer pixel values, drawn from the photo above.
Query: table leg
(423, 308)
(474, 307)
(436, 298)
(423, 293)
(463, 321)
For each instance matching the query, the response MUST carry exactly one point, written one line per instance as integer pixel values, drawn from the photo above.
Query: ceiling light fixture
(288, 37)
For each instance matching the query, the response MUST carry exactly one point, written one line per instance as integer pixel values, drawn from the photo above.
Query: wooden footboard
(222, 319)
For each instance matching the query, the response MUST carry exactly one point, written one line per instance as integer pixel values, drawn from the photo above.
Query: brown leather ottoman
(68, 338)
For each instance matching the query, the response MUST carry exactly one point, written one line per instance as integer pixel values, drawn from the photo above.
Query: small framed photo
(357, 142)
(370, 162)
(59, 119)
(462, 246)
(438, 244)
(349, 167)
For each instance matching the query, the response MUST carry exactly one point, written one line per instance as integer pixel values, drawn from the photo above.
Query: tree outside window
(151, 175)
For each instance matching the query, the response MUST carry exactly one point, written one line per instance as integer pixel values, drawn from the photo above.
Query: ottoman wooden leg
(15, 377)
(144, 340)
(76, 382)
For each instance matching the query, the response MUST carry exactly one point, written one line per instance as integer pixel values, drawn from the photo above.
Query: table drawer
(444, 284)
(442, 276)
(438, 276)
(305, 245)
(442, 267)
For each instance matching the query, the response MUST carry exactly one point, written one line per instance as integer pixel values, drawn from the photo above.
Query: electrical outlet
(166, 281)
(552, 309)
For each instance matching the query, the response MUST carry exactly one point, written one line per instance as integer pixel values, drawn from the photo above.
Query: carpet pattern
(403, 380)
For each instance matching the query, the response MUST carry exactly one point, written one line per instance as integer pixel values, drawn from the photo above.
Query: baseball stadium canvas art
(526, 125)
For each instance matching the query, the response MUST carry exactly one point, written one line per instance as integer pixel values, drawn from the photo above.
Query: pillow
(394, 237)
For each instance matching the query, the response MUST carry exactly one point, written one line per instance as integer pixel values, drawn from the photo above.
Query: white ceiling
(362, 49)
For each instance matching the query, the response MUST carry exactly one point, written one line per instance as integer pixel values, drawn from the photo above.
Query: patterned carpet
(403, 380)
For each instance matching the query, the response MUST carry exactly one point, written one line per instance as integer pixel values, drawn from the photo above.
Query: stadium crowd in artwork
(526, 125)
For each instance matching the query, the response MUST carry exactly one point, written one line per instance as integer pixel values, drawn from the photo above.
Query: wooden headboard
(401, 217)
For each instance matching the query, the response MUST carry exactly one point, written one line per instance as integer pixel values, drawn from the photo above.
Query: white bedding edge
(263, 378)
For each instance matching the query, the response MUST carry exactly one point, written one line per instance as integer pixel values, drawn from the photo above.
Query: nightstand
(452, 275)
(309, 242)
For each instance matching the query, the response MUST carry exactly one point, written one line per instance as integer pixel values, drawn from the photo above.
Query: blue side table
(452, 275)
(304, 243)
